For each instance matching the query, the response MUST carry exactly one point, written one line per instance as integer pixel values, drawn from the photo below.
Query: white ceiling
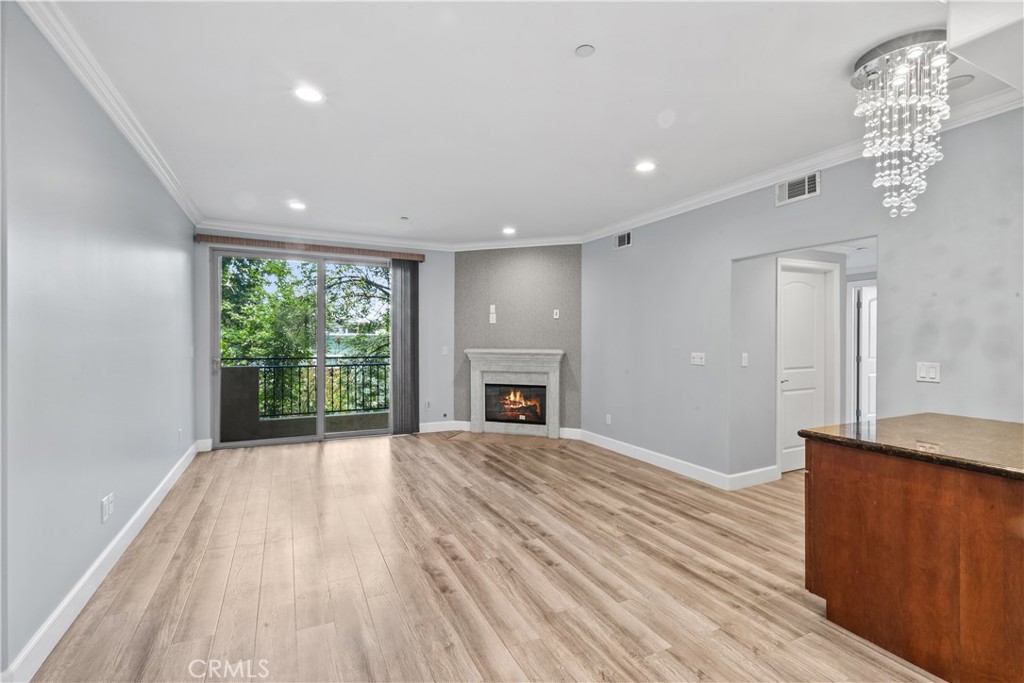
(468, 117)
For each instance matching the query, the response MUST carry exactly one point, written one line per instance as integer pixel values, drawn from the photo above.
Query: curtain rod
(205, 238)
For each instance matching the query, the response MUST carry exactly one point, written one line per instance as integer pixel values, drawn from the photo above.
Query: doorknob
(783, 381)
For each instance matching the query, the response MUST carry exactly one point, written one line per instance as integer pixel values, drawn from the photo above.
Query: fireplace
(515, 391)
(519, 403)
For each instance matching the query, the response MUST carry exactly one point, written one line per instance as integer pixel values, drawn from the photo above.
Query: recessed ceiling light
(308, 93)
(404, 218)
(959, 81)
(508, 230)
(585, 50)
(646, 166)
(296, 205)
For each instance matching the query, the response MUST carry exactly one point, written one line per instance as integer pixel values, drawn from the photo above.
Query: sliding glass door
(302, 349)
(358, 344)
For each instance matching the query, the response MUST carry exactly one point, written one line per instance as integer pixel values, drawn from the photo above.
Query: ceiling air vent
(800, 188)
(624, 240)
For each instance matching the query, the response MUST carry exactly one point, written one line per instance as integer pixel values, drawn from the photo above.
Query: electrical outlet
(556, 314)
(427, 405)
(180, 435)
(697, 358)
(106, 507)
(744, 360)
(444, 350)
(494, 318)
(608, 419)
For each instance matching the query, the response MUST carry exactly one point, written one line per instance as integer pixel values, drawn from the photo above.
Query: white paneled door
(867, 380)
(805, 361)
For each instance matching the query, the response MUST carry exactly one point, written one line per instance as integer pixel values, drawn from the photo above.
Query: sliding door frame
(321, 262)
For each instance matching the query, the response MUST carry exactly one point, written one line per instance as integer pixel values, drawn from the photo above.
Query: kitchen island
(915, 539)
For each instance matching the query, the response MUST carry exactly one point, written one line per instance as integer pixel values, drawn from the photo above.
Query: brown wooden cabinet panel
(925, 560)
(991, 578)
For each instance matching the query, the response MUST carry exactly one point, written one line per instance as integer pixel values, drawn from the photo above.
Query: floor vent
(624, 240)
(800, 188)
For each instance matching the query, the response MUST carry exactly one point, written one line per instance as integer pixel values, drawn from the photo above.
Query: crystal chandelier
(902, 97)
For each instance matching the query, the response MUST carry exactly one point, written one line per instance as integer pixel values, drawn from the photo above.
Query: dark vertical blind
(405, 345)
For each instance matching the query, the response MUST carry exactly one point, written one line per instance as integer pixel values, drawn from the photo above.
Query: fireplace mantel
(538, 367)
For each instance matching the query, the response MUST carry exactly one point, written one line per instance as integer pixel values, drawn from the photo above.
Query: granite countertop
(969, 443)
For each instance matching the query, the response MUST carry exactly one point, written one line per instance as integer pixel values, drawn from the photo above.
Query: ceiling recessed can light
(308, 93)
(404, 218)
(959, 81)
(508, 230)
(585, 50)
(296, 205)
(646, 166)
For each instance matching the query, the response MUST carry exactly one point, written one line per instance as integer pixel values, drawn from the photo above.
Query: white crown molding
(992, 105)
(362, 240)
(60, 32)
(57, 28)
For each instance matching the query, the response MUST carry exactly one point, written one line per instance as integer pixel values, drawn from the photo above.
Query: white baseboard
(450, 426)
(461, 426)
(203, 445)
(727, 482)
(24, 666)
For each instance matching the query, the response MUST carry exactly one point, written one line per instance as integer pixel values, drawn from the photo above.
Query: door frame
(216, 254)
(851, 344)
(832, 272)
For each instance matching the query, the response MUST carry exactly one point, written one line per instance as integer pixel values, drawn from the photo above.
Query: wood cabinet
(924, 559)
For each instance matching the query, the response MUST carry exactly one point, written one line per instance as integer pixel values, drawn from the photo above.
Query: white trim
(203, 445)
(451, 426)
(570, 433)
(727, 482)
(58, 29)
(992, 105)
(31, 657)
(356, 239)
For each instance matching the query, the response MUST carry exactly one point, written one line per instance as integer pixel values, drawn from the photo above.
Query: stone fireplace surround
(538, 367)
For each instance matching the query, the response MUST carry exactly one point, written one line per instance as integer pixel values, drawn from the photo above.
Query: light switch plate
(494, 318)
(929, 372)
(744, 360)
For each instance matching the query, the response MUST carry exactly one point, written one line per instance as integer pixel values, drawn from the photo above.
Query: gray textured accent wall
(949, 278)
(526, 286)
(99, 313)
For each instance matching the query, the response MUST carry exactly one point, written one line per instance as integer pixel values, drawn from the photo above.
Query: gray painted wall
(525, 285)
(752, 389)
(437, 337)
(950, 280)
(99, 314)
(437, 277)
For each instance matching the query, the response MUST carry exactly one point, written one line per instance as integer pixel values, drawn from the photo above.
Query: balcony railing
(352, 384)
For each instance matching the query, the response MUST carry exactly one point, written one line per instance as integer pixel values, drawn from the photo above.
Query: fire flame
(515, 401)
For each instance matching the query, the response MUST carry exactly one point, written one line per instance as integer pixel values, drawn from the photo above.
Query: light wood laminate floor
(457, 557)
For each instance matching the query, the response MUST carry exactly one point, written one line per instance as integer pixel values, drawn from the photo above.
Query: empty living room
(511, 341)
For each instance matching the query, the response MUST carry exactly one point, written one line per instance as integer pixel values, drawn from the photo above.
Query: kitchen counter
(915, 538)
(989, 446)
